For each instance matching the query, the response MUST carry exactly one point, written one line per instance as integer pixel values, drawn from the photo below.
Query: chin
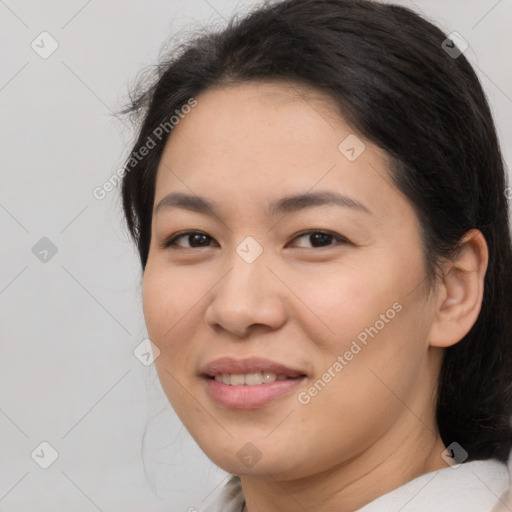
(246, 459)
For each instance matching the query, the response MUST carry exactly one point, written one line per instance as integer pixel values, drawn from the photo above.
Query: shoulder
(476, 486)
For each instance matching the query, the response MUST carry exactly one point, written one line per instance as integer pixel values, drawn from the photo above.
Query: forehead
(255, 142)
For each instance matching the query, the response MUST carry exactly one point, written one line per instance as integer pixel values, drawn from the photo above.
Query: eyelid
(168, 243)
(335, 235)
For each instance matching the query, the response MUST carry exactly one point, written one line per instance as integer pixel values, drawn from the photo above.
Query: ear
(460, 291)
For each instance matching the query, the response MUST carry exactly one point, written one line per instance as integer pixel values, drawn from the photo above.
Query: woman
(318, 199)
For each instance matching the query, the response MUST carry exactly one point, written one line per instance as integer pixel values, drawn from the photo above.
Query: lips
(234, 383)
(231, 366)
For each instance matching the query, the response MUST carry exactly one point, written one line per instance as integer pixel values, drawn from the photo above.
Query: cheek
(166, 311)
(167, 298)
(156, 301)
(372, 320)
(364, 394)
(166, 306)
(343, 299)
(383, 342)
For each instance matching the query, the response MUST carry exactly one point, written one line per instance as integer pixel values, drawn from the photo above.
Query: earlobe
(460, 291)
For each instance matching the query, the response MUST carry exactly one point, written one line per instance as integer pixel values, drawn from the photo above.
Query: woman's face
(294, 333)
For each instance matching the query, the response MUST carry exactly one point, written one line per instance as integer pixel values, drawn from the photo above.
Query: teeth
(237, 380)
(252, 379)
(268, 377)
(249, 379)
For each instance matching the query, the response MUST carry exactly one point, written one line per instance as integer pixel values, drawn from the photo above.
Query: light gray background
(68, 326)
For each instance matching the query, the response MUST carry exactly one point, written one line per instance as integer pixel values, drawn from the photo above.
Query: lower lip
(249, 397)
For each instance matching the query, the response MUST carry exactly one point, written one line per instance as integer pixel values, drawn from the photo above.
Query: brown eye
(194, 238)
(321, 238)
(197, 239)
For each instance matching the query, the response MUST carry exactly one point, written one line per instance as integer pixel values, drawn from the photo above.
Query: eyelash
(169, 243)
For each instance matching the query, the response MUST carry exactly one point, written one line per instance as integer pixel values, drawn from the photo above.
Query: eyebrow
(289, 204)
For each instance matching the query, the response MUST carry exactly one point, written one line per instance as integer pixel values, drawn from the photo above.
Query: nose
(248, 297)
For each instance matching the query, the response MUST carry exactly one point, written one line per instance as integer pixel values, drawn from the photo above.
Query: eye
(321, 238)
(196, 239)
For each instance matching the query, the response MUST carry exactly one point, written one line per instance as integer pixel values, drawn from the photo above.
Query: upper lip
(232, 366)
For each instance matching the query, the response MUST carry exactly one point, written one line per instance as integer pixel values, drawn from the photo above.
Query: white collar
(475, 486)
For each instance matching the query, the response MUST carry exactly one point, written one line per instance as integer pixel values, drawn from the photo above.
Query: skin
(372, 427)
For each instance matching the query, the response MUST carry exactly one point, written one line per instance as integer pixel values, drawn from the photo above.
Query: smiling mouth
(250, 390)
(251, 379)
(251, 382)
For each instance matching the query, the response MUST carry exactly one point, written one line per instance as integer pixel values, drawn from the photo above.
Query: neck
(353, 483)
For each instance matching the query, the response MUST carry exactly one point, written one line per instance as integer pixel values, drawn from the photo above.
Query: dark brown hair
(388, 70)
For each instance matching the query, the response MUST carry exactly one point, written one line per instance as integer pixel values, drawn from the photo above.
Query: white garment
(477, 486)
